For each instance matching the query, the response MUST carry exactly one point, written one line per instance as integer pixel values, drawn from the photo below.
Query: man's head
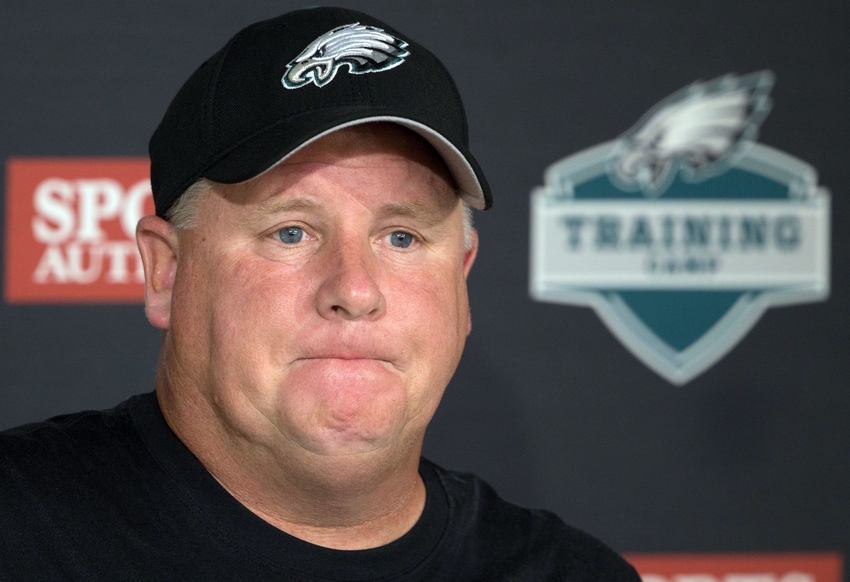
(320, 308)
(313, 285)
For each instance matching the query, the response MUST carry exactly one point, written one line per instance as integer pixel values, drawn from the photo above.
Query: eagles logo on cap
(365, 49)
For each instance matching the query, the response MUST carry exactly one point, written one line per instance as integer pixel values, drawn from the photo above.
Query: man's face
(323, 305)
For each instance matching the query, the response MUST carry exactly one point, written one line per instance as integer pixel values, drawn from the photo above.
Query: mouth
(342, 357)
(348, 359)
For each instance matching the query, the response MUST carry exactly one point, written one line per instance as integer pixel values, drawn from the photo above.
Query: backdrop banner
(680, 168)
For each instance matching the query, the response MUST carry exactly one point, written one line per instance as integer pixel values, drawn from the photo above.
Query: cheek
(260, 307)
(434, 315)
(438, 295)
(241, 311)
(253, 321)
(257, 294)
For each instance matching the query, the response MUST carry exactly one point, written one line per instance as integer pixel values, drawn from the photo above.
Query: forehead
(366, 153)
(368, 139)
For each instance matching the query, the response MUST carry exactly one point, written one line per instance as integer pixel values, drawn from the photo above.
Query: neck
(345, 520)
(342, 502)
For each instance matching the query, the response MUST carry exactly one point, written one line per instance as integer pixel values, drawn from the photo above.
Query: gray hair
(183, 214)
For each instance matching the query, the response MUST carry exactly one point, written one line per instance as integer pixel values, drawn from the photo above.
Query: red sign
(70, 229)
(784, 567)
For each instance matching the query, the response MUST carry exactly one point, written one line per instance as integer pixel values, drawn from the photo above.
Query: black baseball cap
(282, 83)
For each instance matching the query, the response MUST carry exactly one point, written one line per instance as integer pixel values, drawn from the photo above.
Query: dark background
(753, 455)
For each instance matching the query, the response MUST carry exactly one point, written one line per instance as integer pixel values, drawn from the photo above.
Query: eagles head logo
(696, 130)
(365, 49)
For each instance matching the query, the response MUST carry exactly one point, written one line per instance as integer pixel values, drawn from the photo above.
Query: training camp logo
(683, 231)
(365, 49)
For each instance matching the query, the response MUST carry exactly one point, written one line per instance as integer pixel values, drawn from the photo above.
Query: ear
(158, 246)
(468, 259)
(469, 255)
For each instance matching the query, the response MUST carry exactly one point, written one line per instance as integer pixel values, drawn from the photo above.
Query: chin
(359, 435)
(354, 458)
(339, 413)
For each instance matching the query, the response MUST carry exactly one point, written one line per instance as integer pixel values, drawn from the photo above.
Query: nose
(349, 289)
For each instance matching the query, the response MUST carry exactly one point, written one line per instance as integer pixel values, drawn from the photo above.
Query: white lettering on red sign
(70, 215)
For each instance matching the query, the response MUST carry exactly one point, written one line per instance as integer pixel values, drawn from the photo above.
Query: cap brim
(263, 151)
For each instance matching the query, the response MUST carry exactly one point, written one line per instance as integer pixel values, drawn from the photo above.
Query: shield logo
(684, 230)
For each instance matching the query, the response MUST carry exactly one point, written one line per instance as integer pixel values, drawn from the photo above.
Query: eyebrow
(426, 213)
(275, 205)
(259, 213)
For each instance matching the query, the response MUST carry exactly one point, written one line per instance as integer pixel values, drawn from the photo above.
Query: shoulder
(83, 425)
(527, 544)
(74, 446)
(76, 489)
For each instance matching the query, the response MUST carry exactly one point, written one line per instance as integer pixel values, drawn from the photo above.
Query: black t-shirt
(115, 495)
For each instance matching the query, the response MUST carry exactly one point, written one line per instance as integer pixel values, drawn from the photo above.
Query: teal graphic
(683, 231)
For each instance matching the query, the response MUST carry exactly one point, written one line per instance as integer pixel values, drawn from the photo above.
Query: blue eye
(290, 235)
(401, 239)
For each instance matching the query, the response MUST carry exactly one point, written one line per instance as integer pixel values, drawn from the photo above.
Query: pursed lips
(348, 357)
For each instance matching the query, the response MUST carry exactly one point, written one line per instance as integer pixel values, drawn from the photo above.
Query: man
(307, 264)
